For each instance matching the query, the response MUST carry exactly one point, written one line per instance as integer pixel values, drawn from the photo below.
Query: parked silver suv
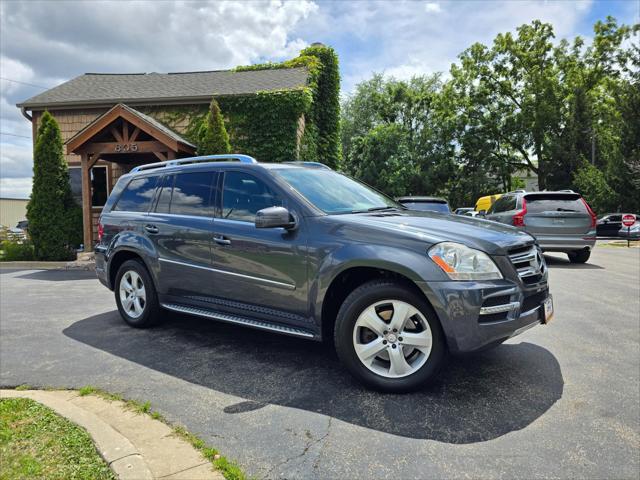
(561, 221)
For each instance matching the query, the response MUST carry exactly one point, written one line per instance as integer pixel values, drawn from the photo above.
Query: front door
(259, 272)
(181, 226)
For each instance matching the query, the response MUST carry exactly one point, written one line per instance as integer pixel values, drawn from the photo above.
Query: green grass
(35, 442)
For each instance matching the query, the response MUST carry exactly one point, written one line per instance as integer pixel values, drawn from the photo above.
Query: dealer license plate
(548, 310)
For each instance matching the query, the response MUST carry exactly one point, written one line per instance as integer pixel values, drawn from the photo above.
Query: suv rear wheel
(579, 256)
(388, 337)
(135, 295)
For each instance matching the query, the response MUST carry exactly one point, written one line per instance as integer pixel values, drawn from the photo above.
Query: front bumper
(459, 306)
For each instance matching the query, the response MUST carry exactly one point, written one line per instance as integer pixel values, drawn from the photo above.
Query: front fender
(414, 265)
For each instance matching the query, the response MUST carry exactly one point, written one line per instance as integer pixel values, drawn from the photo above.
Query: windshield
(334, 193)
(427, 206)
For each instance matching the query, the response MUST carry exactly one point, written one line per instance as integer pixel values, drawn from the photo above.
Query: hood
(430, 227)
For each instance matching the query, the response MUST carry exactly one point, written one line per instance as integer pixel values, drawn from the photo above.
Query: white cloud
(432, 7)
(15, 187)
(405, 38)
(16, 161)
(46, 43)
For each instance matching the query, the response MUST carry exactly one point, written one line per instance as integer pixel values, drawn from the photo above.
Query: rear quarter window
(555, 203)
(137, 196)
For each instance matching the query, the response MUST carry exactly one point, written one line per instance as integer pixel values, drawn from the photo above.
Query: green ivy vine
(265, 125)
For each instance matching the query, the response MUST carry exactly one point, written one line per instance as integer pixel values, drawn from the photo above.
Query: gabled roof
(144, 122)
(98, 89)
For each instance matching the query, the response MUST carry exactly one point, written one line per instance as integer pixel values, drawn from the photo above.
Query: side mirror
(275, 217)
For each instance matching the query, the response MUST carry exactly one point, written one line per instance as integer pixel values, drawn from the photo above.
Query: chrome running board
(226, 317)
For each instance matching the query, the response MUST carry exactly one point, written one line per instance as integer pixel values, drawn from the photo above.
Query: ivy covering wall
(266, 125)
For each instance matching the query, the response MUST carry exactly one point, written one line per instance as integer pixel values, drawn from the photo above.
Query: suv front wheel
(388, 337)
(136, 295)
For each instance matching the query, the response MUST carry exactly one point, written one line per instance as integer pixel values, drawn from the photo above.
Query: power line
(23, 83)
(14, 135)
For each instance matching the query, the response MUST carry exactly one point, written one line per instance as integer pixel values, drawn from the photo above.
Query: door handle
(151, 228)
(221, 240)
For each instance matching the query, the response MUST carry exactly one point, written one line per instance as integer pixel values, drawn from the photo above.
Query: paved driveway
(558, 401)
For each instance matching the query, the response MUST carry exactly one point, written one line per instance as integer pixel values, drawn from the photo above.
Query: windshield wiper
(380, 209)
(560, 209)
(377, 209)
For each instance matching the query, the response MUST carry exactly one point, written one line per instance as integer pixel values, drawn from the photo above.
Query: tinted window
(138, 194)
(427, 206)
(555, 203)
(243, 195)
(164, 199)
(192, 194)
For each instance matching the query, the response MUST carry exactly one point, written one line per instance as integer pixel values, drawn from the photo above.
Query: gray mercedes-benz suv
(302, 250)
(560, 221)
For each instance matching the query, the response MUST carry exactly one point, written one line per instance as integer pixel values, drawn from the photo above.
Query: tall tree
(55, 220)
(212, 136)
(392, 135)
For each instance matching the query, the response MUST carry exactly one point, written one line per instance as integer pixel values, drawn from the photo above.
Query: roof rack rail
(206, 158)
(310, 164)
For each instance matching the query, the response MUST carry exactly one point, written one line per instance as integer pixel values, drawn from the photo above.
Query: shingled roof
(93, 89)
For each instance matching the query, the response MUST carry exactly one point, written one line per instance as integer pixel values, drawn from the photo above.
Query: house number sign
(126, 147)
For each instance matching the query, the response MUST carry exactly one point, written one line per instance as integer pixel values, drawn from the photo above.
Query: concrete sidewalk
(135, 446)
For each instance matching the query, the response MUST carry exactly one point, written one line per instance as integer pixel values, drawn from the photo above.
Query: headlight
(463, 263)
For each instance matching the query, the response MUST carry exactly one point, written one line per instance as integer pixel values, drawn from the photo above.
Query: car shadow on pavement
(563, 262)
(60, 275)
(474, 399)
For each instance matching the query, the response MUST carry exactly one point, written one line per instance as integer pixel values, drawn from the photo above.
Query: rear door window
(191, 194)
(554, 202)
(137, 196)
(164, 199)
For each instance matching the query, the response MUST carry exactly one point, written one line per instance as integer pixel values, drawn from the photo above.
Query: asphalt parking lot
(558, 401)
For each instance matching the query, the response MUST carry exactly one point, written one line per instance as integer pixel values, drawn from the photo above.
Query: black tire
(151, 309)
(579, 256)
(367, 295)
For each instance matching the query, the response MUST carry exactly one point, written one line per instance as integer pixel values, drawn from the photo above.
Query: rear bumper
(458, 306)
(102, 267)
(566, 243)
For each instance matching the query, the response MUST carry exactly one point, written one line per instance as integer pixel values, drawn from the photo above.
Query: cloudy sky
(44, 43)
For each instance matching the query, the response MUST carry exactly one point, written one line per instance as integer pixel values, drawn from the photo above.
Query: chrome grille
(529, 263)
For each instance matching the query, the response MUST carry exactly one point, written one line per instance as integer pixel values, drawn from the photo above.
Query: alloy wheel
(392, 338)
(133, 296)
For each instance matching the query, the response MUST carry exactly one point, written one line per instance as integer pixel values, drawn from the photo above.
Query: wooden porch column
(87, 220)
